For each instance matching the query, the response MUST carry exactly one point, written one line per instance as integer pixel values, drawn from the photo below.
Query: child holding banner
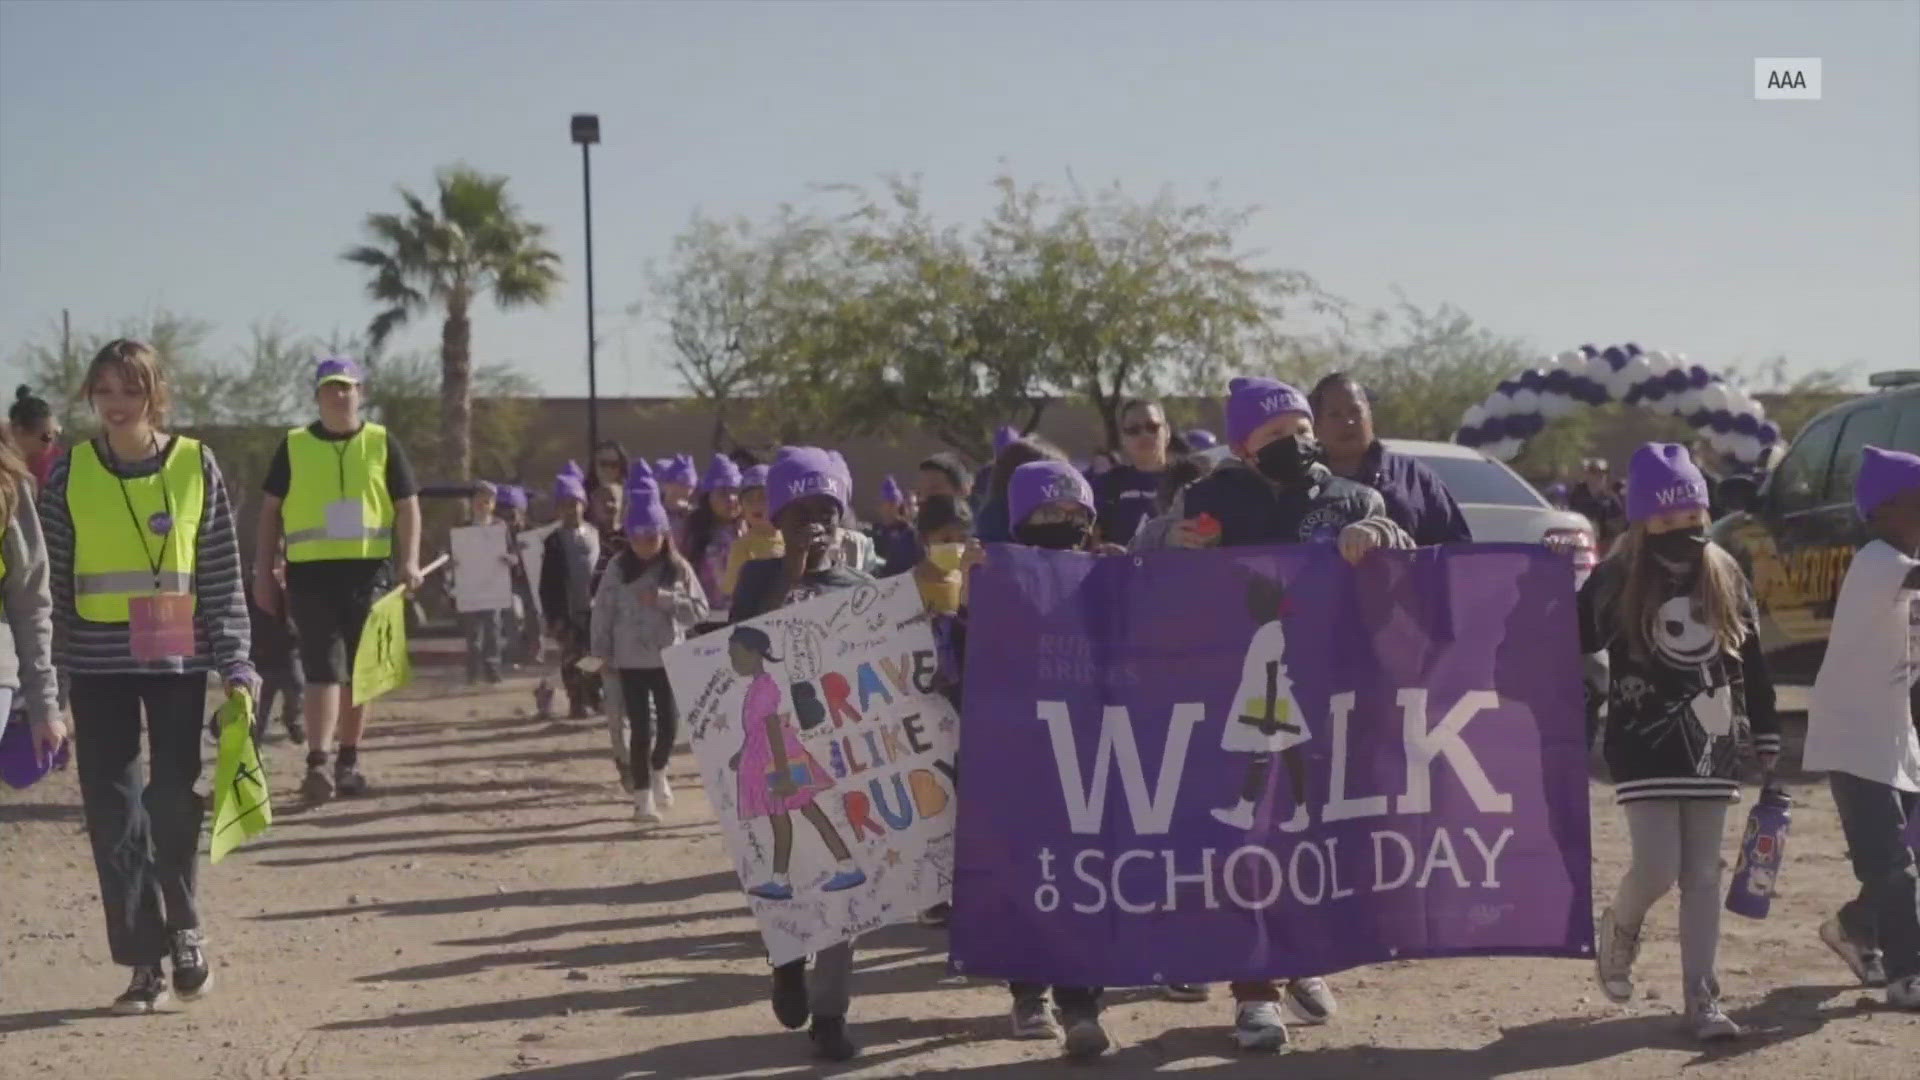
(1050, 505)
(646, 603)
(1276, 489)
(1861, 729)
(808, 490)
(1689, 683)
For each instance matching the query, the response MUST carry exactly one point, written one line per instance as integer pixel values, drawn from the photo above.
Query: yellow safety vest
(322, 473)
(115, 547)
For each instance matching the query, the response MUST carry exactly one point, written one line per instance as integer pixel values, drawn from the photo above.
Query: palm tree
(444, 257)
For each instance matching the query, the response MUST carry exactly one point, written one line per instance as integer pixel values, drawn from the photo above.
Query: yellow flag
(242, 808)
(381, 664)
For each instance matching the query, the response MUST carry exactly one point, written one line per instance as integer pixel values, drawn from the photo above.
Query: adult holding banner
(1276, 489)
(337, 492)
(147, 600)
(1417, 500)
(1126, 493)
(808, 492)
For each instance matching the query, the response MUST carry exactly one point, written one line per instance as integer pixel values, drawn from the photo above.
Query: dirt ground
(492, 911)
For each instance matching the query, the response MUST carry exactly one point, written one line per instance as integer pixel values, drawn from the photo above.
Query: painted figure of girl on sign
(777, 775)
(1265, 719)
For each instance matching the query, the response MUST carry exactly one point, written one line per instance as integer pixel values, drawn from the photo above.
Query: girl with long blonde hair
(1689, 690)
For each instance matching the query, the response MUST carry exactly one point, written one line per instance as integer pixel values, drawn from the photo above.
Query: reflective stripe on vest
(113, 542)
(322, 472)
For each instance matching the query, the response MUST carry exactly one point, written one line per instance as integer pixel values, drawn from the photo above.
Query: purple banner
(1138, 732)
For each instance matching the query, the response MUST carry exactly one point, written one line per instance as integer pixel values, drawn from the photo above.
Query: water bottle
(1751, 893)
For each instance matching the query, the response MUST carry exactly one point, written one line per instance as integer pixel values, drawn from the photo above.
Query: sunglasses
(1151, 427)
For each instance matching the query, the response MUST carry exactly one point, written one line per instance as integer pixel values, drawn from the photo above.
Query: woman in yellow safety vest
(147, 600)
(26, 651)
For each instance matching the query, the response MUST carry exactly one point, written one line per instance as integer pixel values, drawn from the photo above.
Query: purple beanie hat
(1038, 483)
(801, 471)
(1201, 439)
(1884, 474)
(567, 486)
(1663, 477)
(678, 470)
(755, 477)
(890, 492)
(723, 473)
(645, 511)
(510, 497)
(573, 469)
(1252, 401)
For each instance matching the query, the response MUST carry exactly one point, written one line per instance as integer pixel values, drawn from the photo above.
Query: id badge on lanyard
(346, 519)
(160, 626)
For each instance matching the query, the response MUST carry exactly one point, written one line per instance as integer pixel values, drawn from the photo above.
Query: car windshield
(1473, 480)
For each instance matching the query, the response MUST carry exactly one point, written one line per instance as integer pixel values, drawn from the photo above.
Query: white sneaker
(643, 808)
(1310, 1001)
(1258, 1025)
(662, 791)
(1299, 821)
(1905, 993)
(1711, 1023)
(1614, 951)
(1239, 816)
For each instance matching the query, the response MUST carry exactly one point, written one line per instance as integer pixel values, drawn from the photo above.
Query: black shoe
(318, 787)
(192, 978)
(348, 781)
(830, 1042)
(147, 992)
(296, 733)
(790, 994)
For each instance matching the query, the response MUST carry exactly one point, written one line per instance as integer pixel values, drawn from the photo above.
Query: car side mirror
(1740, 493)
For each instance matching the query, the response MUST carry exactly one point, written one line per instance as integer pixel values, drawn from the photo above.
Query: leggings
(1677, 841)
(653, 724)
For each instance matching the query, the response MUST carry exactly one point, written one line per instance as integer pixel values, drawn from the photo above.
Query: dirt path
(492, 912)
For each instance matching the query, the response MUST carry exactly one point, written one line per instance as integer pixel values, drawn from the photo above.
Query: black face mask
(1055, 536)
(1288, 460)
(1679, 551)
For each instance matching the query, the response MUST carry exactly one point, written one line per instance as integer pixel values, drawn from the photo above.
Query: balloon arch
(1730, 420)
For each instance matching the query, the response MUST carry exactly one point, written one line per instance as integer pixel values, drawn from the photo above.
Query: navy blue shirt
(1417, 500)
(897, 547)
(1124, 497)
(990, 525)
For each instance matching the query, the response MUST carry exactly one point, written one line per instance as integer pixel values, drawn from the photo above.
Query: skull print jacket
(1678, 717)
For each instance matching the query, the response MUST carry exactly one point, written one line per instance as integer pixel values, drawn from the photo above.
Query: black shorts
(329, 602)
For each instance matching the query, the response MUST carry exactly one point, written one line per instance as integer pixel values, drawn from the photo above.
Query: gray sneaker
(1615, 950)
(1032, 1019)
(1310, 1001)
(1086, 1039)
(1258, 1025)
(1905, 993)
(1710, 1023)
(318, 786)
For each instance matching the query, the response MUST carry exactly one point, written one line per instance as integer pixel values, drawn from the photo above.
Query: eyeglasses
(1151, 427)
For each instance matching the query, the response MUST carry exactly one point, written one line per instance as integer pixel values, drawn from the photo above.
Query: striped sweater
(222, 633)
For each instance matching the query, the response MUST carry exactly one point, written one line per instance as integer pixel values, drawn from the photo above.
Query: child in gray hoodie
(26, 634)
(647, 600)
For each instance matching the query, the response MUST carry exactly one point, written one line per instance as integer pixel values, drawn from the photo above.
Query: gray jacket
(26, 656)
(628, 633)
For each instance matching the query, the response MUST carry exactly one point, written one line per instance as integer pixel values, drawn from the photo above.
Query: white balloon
(1599, 371)
(1660, 362)
(1745, 447)
(1715, 397)
(1572, 360)
(1686, 401)
(1497, 404)
(1720, 440)
(1474, 416)
(1505, 449)
(1553, 406)
(1525, 402)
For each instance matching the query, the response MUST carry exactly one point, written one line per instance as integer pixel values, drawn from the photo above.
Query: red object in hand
(1207, 525)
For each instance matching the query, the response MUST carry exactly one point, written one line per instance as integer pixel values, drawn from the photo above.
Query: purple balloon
(1769, 433)
(1632, 349)
(1747, 424)
(1699, 418)
(1698, 377)
(1559, 380)
(1531, 379)
(1722, 421)
(1529, 425)
(1616, 357)
(1675, 381)
(1589, 351)
(1467, 436)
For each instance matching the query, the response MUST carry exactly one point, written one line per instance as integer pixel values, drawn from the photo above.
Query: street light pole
(586, 132)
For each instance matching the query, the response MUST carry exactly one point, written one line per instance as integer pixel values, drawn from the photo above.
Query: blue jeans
(482, 629)
(1887, 911)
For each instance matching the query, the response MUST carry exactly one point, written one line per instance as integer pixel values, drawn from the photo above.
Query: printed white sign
(482, 578)
(829, 759)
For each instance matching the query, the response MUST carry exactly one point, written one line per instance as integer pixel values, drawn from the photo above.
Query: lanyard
(154, 561)
(340, 453)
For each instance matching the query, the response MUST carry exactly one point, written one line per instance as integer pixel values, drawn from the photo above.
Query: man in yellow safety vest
(339, 492)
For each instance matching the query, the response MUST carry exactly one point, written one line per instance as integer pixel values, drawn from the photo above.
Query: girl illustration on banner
(1266, 719)
(777, 775)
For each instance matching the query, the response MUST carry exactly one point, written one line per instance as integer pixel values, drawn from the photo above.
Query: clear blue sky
(1564, 172)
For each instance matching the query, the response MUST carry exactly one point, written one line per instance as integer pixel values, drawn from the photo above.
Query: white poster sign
(482, 576)
(829, 759)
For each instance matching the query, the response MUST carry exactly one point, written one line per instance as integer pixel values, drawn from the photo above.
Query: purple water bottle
(1761, 850)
